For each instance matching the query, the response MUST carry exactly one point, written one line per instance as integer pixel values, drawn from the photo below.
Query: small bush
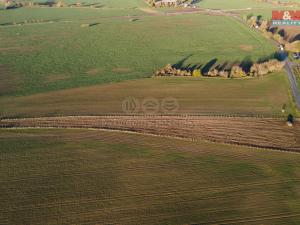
(236, 72)
(196, 73)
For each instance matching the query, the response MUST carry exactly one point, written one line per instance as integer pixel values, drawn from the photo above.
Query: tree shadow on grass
(208, 66)
(296, 38)
(276, 55)
(196, 1)
(246, 64)
(180, 63)
(182, 66)
(94, 24)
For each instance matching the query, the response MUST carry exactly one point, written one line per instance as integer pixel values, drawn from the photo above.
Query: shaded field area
(63, 54)
(259, 96)
(95, 177)
(253, 132)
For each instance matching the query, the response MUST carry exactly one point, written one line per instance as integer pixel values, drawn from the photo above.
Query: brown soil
(17, 49)
(149, 11)
(57, 77)
(246, 48)
(94, 71)
(256, 132)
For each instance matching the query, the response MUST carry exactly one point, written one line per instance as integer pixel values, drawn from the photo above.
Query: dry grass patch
(94, 71)
(263, 96)
(246, 48)
(19, 49)
(149, 11)
(57, 77)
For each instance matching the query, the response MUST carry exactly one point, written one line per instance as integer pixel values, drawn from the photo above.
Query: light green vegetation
(239, 4)
(53, 56)
(91, 177)
(231, 4)
(264, 96)
(46, 14)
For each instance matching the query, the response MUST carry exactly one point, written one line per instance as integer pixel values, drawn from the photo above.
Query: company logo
(150, 105)
(169, 105)
(132, 105)
(286, 18)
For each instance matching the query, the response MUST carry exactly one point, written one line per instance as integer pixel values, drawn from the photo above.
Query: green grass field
(232, 4)
(95, 177)
(61, 55)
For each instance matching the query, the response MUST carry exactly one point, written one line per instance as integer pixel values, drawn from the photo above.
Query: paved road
(293, 83)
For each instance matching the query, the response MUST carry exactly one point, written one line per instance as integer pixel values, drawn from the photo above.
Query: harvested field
(95, 177)
(254, 132)
(203, 96)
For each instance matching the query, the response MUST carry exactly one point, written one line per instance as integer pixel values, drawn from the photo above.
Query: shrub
(278, 38)
(196, 73)
(224, 74)
(267, 67)
(237, 71)
(213, 73)
(293, 47)
(169, 70)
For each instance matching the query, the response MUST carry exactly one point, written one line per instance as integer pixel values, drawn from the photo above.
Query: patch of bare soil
(94, 71)
(57, 77)
(246, 48)
(267, 133)
(149, 11)
(22, 49)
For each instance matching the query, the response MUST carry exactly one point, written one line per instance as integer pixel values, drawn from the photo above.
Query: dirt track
(255, 132)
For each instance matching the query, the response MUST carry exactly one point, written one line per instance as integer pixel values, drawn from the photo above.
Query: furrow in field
(255, 132)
